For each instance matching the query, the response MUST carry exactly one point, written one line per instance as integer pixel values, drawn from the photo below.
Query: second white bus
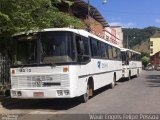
(131, 62)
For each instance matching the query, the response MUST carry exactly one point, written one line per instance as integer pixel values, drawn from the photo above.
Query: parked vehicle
(131, 62)
(158, 68)
(149, 67)
(63, 63)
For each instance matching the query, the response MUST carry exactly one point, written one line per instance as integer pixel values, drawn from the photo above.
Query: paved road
(139, 95)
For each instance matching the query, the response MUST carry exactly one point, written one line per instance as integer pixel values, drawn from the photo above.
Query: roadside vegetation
(23, 15)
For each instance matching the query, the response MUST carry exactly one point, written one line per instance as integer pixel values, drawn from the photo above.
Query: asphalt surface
(139, 95)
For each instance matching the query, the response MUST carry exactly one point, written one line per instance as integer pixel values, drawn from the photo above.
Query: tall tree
(24, 15)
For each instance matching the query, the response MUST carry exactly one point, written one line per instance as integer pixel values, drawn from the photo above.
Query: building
(155, 59)
(115, 35)
(95, 21)
(155, 43)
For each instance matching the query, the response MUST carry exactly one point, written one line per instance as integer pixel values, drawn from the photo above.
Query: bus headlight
(63, 92)
(59, 92)
(14, 93)
(66, 92)
(19, 93)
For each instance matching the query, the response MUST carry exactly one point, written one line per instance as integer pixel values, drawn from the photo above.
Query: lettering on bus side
(99, 64)
(102, 65)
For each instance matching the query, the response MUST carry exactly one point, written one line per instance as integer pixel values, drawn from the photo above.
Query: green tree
(23, 15)
(145, 60)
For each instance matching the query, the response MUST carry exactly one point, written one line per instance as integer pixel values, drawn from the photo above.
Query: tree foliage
(24, 15)
(136, 35)
(145, 60)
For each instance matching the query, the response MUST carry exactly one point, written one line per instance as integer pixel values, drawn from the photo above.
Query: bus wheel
(85, 97)
(129, 76)
(137, 73)
(112, 85)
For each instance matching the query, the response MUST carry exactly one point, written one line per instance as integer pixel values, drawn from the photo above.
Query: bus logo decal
(99, 64)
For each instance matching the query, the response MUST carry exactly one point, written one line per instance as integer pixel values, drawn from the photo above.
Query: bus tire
(112, 85)
(85, 97)
(137, 73)
(129, 76)
(91, 87)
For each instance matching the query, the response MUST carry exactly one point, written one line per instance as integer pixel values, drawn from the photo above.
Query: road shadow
(101, 90)
(47, 104)
(153, 80)
(126, 79)
(123, 80)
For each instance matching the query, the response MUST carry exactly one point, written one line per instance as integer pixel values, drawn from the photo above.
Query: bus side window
(127, 58)
(104, 50)
(119, 54)
(80, 45)
(82, 48)
(114, 53)
(110, 52)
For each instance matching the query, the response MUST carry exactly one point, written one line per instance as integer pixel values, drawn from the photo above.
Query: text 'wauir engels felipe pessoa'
(124, 116)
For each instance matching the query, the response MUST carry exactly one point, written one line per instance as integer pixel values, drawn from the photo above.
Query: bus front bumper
(40, 94)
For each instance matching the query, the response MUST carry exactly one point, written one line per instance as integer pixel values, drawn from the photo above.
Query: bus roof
(125, 49)
(78, 31)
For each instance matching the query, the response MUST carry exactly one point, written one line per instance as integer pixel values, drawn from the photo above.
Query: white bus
(63, 63)
(131, 62)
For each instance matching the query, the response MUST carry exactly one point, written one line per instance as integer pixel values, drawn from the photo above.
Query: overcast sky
(130, 13)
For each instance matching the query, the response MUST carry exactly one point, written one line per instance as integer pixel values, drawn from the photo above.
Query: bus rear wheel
(112, 85)
(129, 76)
(137, 73)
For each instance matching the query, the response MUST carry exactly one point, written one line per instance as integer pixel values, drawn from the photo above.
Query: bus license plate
(38, 94)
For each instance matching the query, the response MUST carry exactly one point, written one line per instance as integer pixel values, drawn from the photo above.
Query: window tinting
(104, 50)
(110, 52)
(57, 47)
(82, 48)
(119, 54)
(95, 48)
(114, 52)
(129, 55)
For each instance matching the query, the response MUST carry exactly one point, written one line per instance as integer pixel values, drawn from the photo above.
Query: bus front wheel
(85, 97)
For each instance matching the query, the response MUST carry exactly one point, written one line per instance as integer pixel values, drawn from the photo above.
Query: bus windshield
(57, 47)
(26, 50)
(45, 48)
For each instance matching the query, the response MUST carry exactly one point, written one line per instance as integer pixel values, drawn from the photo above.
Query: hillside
(139, 38)
(142, 47)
